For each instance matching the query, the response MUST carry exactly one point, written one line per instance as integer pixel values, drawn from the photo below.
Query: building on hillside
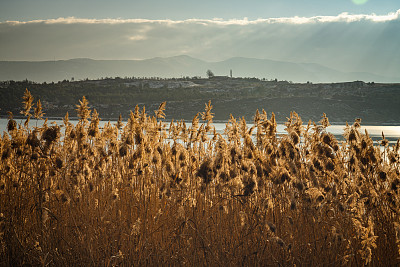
(219, 78)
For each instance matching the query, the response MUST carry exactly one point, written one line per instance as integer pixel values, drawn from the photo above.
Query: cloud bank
(352, 42)
(343, 17)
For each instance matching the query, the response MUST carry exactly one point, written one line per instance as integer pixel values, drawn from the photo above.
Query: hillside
(375, 103)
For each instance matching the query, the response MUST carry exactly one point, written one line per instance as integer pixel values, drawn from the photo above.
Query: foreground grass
(147, 194)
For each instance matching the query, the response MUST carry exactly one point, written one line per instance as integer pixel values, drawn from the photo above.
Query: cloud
(137, 38)
(343, 17)
(346, 41)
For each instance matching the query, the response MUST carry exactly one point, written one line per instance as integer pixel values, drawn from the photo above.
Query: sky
(350, 35)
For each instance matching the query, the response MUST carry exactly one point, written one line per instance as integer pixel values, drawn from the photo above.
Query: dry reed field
(147, 192)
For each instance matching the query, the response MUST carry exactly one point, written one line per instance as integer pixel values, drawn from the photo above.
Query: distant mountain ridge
(178, 66)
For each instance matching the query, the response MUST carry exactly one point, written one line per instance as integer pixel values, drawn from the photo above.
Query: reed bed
(146, 192)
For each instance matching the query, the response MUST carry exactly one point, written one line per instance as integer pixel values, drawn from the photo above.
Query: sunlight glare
(359, 2)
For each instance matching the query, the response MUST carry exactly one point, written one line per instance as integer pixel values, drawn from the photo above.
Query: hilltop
(178, 66)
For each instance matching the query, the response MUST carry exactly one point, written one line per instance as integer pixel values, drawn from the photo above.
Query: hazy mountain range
(178, 66)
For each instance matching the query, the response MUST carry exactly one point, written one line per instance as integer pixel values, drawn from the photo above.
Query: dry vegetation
(145, 193)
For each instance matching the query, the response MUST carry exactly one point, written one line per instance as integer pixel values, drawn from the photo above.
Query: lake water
(392, 133)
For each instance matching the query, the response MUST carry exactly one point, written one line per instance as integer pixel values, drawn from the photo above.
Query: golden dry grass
(144, 193)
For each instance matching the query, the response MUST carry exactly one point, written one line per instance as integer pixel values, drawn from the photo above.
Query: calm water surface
(392, 133)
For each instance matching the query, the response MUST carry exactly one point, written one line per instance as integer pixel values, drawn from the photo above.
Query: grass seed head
(11, 125)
